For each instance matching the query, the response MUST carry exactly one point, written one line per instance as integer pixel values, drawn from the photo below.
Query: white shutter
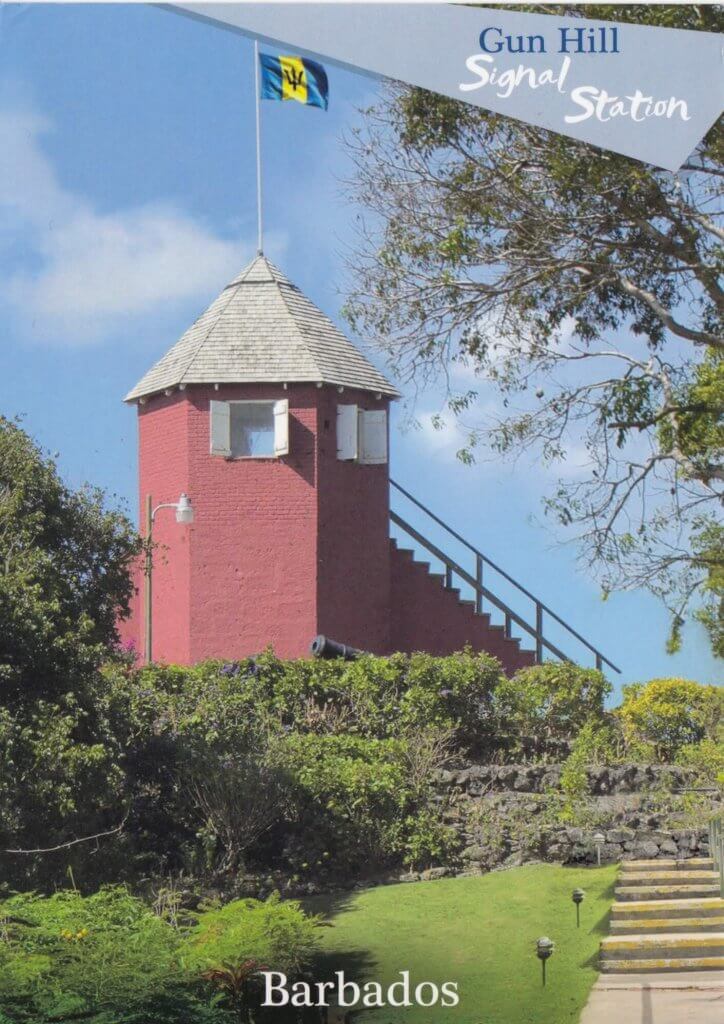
(220, 428)
(373, 437)
(347, 431)
(281, 427)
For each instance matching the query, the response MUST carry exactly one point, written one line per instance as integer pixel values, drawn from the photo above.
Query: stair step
(667, 925)
(646, 947)
(665, 892)
(667, 864)
(667, 877)
(708, 963)
(646, 909)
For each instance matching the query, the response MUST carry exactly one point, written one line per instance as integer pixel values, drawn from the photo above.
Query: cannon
(324, 647)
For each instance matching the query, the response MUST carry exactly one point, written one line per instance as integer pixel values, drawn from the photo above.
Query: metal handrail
(476, 582)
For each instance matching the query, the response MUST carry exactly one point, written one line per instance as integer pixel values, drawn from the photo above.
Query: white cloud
(84, 272)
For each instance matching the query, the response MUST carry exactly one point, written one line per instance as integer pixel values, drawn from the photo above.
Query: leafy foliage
(275, 933)
(68, 954)
(64, 559)
(108, 958)
(671, 714)
(551, 701)
(64, 578)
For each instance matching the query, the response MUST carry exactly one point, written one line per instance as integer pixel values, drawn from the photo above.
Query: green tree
(64, 580)
(584, 288)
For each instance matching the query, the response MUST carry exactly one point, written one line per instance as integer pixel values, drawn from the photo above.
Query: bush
(228, 764)
(352, 795)
(669, 714)
(108, 958)
(595, 744)
(276, 934)
(706, 759)
(68, 955)
(551, 702)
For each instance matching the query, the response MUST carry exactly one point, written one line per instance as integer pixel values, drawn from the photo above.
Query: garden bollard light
(544, 949)
(599, 839)
(578, 896)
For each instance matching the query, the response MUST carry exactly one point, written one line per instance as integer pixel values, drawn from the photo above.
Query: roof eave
(388, 390)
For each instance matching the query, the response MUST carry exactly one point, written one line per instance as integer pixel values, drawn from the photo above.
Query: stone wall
(506, 814)
(478, 779)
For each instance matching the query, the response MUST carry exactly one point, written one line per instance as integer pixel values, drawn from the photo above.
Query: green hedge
(318, 768)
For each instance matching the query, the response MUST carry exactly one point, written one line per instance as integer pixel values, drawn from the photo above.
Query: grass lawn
(480, 932)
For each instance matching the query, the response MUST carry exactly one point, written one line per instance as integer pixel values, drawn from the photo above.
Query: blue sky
(127, 202)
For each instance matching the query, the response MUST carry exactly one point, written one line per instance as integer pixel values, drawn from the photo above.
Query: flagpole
(260, 235)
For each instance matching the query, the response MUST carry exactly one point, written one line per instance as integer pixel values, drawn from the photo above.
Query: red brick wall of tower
(163, 470)
(353, 586)
(280, 549)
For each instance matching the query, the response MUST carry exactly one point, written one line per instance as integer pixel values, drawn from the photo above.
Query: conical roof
(261, 329)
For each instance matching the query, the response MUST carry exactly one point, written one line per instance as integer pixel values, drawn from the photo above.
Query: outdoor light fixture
(184, 515)
(578, 895)
(184, 510)
(544, 949)
(599, 839)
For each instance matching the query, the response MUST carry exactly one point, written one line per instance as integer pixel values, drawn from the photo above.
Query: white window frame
(280, 411)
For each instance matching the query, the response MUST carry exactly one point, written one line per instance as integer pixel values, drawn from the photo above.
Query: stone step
(667, 877)
(675, 964)
(665, 892)
(667, 864)
(645, 909)
(663, 947)
(667, 925)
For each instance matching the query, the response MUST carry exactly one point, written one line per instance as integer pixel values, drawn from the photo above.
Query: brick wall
(253, 569)
(353, 586)
(427, 617)
(163, 425)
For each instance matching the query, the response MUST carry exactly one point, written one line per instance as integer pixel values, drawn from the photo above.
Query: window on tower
(361, 435)
(250, 430)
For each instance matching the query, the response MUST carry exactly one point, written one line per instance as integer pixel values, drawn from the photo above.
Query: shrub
(352, 794)
(108, 958)
(669, 714)
(706, 759)
(551, 701)
(276, 934)
(594, 744)
(68, 955)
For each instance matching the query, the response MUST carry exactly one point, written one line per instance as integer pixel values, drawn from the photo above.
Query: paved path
(693, 998)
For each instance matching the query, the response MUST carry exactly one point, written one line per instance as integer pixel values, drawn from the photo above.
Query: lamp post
(544, 949)
(599, 839)
(578, 896)
(184, 515)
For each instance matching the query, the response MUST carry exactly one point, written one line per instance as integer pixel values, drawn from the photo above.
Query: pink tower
(276, 427)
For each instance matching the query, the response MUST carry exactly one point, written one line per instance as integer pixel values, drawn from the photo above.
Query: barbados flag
(294, 78)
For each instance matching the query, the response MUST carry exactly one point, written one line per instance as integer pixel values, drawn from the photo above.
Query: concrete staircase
(668, 916)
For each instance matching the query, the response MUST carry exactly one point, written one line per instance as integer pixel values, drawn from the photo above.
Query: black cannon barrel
(324, 647)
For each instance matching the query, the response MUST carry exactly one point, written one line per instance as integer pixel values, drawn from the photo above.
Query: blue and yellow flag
(294, 78)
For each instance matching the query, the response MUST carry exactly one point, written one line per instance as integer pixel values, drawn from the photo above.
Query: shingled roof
(261, 329)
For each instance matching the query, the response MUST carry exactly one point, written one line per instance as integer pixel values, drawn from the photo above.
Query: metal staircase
(477, 580)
